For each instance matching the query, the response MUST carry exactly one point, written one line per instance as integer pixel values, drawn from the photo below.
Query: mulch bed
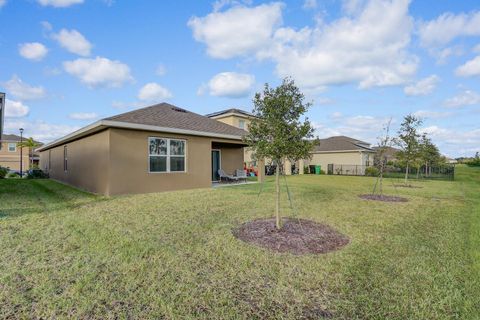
(297, 236)
(385, 198)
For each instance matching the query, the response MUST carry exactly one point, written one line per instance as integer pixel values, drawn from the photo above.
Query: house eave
(104, 124)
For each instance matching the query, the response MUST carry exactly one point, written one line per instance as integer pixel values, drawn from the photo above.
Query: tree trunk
(406, 175)
(277, 200)
(382, 166)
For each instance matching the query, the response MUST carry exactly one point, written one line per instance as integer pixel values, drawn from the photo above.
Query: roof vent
(179, 110)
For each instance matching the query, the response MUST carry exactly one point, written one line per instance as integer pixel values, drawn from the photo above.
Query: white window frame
(168, 155)
(14, 147)
(240, 122)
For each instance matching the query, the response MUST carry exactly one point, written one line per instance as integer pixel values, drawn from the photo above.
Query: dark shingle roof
(170, 116)
(231, 110)
(10, 137)
(14, 138)
(341, 143)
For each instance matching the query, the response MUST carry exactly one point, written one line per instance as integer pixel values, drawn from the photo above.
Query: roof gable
(234, 111)
(169, 116)
(342, 143)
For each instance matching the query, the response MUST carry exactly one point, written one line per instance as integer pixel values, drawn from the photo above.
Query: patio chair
(226, 177)
(241, 174)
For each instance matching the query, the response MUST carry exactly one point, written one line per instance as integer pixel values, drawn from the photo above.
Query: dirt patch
(407, 186)
(297, 236)
(385, 198)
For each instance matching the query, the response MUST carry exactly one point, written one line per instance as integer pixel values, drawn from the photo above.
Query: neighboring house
(10, 154)
(342, 155)
(234, 117)
(451, 160)
(153, 149)
(240, 119)
(390, 154)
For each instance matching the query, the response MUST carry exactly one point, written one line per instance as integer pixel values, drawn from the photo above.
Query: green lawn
(68, 254)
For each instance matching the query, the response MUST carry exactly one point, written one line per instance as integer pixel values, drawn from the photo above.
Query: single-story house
(342, 155)
(10, 153)
(153, 149)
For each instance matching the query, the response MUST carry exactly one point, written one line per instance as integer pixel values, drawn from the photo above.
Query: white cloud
(349, 50)
(426, 114)
(231, 84)
(2, 3)
(455, 142)
(59, 3)
(470, 68)
(309, 4)
(40, 130)
(23, 91)
(83, 116)
(15, 109)
(466, 98)
(237, 31)
(361, 127)
(449, 26)
(32, 51)
(219, 4)
(154, 92)
(324, 101)
(422, 87)
(73, 41)
(99, 71)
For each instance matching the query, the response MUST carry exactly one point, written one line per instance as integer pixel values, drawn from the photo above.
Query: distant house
(341, 154)
(158, 148)
(390, 154)
(10, 154)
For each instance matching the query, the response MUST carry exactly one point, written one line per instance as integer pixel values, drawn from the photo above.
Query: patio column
(287, 167)
(261, 170)
(301, 165)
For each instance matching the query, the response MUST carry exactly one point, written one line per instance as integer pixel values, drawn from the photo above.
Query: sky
(67, 63)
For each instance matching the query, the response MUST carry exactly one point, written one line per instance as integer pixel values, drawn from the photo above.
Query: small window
(241, 124)
(65, 159)
(12, 147)
(166, 155)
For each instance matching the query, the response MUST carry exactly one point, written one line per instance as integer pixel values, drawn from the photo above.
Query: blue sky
(67, 63)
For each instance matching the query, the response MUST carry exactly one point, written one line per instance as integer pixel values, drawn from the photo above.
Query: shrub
(3, 172)
(371, 172)
(36, 174)
(474, 163)
(13, 175)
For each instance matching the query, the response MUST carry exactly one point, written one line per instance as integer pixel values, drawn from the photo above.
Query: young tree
(429, 153)
(384, 143)
(277, 132)
(31, 145)
(408, 141)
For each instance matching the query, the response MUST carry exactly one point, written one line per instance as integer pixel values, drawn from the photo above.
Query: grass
(69, 254)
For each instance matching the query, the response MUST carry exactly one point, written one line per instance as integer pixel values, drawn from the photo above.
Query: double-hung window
(12, 147)
(166, 155)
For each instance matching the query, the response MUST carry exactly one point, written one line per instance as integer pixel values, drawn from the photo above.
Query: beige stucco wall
(88, 163)
(324, 159)
(115, 161)
(129, 171)
(231, 159)
(11, 160)
(233, 120)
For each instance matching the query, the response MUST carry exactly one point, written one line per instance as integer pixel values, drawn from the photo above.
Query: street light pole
(21, 152)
